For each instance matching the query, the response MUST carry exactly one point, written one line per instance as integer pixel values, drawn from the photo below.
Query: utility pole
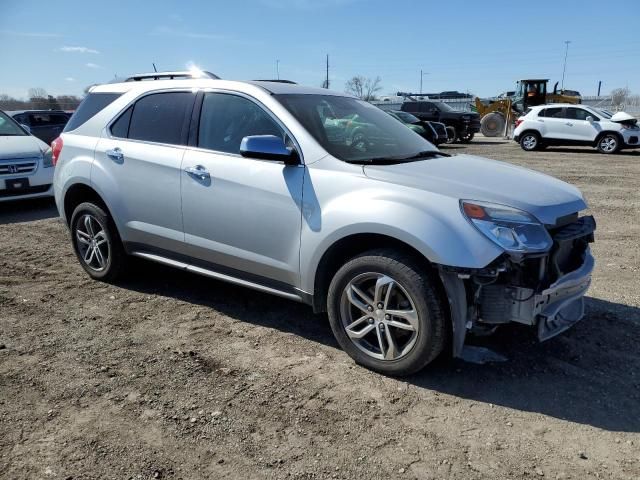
(154, 67)
(564, 68)
(422, 74)
(326, 82)
(278, 69)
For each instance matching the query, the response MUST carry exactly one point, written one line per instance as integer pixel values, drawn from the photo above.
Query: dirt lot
(169, 375)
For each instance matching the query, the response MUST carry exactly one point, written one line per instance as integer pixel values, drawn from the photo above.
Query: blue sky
(481, 47)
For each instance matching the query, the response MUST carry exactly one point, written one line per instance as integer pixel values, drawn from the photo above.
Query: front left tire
(96, 242)
(609, 143)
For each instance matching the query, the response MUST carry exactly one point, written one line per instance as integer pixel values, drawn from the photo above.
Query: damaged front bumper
(545, 292)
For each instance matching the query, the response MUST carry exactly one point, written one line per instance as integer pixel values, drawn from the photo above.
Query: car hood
(476, 178)
(20, 147)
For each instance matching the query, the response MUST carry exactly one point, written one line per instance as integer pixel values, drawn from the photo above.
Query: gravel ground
(169, 375)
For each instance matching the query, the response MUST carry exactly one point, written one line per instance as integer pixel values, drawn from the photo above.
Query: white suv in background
(568, 124)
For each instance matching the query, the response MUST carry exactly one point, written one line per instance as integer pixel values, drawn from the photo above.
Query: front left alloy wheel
(96, 242)
(386, 312)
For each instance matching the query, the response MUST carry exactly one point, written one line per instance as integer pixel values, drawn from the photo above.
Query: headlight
(512, 229)
(47, 160)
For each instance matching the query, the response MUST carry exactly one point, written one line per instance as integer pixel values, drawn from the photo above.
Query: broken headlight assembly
(516, 231)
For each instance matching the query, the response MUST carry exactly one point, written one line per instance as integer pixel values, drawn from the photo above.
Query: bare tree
(363, 87)
(619, 96)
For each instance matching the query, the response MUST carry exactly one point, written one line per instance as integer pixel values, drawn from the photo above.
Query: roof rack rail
(171, 76)
(277, 81)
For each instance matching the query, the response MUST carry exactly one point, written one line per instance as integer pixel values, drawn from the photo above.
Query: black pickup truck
(462, 126)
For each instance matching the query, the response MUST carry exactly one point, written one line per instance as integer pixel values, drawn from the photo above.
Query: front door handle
(115, 154)
(569, 124)
(199, 172)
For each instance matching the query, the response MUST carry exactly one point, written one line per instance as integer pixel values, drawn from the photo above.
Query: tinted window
(40, 119)
(161, 117)
(410, 107)
(226, 119)
(59, 119)
(552, 112)
(579, 114)
(120, 128)
(92, 104)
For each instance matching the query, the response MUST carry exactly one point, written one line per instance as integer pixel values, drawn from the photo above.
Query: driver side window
(226, 119)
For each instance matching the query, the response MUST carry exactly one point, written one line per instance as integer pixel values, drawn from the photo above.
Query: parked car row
(461, 126)
(435, 132)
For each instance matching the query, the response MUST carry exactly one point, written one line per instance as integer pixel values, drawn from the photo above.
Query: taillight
(56, 148)
(519, 121)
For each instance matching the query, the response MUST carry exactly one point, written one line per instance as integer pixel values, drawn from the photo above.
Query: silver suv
(322, 198)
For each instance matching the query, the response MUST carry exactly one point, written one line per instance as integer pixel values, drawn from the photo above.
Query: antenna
(154, 67)
(327, 80)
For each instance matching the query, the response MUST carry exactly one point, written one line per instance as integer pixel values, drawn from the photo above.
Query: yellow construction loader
(497, 113)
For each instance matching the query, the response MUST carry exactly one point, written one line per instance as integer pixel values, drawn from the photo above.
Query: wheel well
(345, 249)
(531, 131)
(602, 134)
(78, 194)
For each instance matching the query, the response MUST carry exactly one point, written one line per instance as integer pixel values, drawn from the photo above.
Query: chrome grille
(19, 166)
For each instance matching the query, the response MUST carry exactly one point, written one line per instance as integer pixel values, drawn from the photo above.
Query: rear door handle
(199, 172)
(115, 154)
(569, 124)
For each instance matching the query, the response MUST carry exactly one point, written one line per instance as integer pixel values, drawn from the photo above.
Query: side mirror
(590, 119)
(268, 147)
(26, 127)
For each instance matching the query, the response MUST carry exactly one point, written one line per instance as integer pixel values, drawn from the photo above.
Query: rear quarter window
(90, 106)
(161, 118)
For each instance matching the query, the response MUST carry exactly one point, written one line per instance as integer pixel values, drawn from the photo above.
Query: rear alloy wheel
(96, 242)
(609, 143)
(530, 141)
(386, 313)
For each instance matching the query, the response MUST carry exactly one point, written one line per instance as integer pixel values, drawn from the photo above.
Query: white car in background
(568, 124)
(26, 167)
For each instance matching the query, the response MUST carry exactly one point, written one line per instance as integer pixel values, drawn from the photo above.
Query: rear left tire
(530, 141)
(96, 242)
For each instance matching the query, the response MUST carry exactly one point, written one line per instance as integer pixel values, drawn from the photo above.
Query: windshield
(604, 113)
(8, 127)
(444, 107)
(353, 130)
(407, 117)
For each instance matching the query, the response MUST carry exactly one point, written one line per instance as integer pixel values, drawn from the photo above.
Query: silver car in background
(406, 247)
(25, 163)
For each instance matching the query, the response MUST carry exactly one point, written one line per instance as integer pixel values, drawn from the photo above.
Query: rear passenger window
(92, 104)
(226, 119)
(120, 128)
(161, 118)
(552, 112)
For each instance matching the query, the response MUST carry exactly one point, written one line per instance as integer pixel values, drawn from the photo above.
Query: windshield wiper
(391, 160)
